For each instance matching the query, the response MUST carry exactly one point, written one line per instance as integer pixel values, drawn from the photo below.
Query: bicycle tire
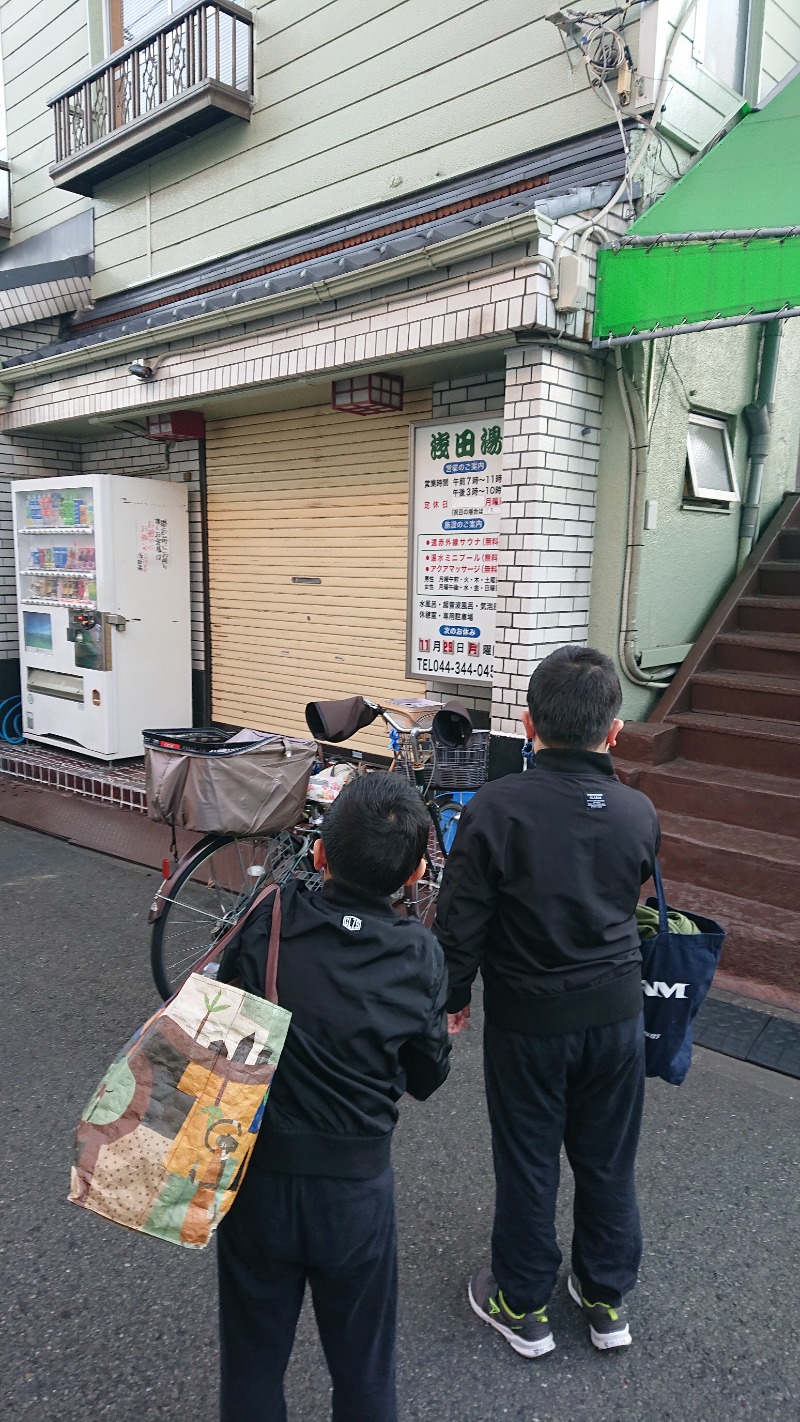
(210, 894)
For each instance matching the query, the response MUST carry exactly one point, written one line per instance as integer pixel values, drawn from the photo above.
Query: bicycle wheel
(419, 900)
(449, 812)
(212, 892)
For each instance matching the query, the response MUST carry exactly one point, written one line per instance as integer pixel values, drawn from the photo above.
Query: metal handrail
(138, 80)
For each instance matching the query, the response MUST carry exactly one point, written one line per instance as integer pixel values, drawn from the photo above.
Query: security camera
(141, 370)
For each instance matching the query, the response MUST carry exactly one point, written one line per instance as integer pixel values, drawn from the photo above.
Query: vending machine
(104, 609)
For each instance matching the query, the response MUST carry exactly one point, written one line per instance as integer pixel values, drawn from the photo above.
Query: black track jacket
(540, 894)
(367, 990)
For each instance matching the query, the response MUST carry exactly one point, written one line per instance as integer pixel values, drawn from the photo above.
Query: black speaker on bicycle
(452, 726)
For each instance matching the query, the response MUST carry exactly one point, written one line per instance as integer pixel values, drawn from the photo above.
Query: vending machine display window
(38, 627)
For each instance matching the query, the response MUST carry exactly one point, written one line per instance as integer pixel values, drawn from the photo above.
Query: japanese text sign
(454, 541)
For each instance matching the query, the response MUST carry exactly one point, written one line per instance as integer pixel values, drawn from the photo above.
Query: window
(710, 474)
(128, 19)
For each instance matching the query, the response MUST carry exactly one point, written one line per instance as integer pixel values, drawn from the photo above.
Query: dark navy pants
(584, 1090)
(339, 1236)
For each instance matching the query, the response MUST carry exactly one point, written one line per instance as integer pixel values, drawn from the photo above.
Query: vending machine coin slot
(90, 632)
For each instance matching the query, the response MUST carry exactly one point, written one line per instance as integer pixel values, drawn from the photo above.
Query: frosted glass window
(710, 460)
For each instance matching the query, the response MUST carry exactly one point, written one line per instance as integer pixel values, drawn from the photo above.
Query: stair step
(781, 577)
(769, 614)
(770, 653)
(762, 943)
(743, 742)
(749, 863)
(717, 792)
(746, 693)
(789, 544)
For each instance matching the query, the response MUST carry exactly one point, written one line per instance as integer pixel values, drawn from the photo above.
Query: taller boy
(540, 894)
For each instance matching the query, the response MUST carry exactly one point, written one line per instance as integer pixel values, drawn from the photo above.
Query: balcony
(191, 72)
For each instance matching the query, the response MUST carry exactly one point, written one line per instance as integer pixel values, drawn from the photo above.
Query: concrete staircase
(720, 759)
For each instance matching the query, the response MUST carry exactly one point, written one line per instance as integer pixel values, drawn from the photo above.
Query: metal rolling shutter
(308, 493)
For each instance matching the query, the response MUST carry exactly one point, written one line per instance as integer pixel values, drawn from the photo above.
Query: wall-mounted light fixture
(368, 394)
(175, 425)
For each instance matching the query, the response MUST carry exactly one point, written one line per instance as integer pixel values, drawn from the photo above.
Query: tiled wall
(551, 449)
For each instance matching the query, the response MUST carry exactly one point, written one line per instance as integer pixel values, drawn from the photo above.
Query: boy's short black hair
(375, 833)
(573, 697)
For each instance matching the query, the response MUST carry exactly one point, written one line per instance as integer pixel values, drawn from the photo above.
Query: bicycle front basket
(210, 782)
(464, 769)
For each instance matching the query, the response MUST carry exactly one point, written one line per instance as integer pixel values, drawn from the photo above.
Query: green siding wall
(690, 558)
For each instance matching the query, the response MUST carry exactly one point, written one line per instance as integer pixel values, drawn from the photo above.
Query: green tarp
(749, 181)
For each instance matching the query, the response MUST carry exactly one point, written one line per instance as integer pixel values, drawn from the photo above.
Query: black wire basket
(463, 769)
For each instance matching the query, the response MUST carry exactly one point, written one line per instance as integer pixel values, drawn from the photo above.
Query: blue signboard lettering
(458, 629)
(465, 466)
(455, 523)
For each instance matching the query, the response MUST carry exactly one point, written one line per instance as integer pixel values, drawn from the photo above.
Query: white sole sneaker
(604, 1341)
(523, 1346)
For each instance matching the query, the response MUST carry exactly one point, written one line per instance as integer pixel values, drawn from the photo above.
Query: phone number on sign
(448, 667)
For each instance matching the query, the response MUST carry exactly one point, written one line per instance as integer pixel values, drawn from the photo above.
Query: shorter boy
(367, 990)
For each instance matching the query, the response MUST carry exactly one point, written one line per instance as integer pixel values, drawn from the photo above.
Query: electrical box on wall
(573, 282)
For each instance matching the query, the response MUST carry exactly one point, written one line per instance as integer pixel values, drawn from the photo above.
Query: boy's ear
(527, 725)
(616, 727)
(318, 852)
(418, 872)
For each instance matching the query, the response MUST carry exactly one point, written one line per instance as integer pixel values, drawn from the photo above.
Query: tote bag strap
(663, 920)
(218, 948)
(271, 978)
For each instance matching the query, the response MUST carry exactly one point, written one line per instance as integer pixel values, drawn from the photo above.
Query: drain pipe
(758, 418)
(629, 628)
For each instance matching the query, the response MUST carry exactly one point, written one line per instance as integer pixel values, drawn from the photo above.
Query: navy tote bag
(677, 969)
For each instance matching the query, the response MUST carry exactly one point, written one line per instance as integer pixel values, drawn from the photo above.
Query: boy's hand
(457, 1021)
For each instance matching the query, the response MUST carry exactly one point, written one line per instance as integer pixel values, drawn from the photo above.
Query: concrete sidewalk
(98, 1323)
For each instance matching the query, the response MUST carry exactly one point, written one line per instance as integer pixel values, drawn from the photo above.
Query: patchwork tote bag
(164, 1143)
(677, 969)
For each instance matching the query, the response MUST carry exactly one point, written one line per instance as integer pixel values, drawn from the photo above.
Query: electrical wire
(632, 167)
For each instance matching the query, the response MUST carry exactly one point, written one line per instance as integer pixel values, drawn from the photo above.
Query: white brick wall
(23, 340)
(551, 447)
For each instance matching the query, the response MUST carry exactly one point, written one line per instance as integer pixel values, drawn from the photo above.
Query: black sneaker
(608, 1323)
(528, 1333)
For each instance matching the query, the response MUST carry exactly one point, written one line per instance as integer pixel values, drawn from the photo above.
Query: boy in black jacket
(367, 989)
(540, 894)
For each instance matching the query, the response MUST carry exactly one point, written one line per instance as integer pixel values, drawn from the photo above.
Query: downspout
(758, 418)
(637, 489)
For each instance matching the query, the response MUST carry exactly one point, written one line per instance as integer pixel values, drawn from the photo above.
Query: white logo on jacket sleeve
(351, 924)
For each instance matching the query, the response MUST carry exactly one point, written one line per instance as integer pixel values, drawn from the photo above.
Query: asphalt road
(99, 1323)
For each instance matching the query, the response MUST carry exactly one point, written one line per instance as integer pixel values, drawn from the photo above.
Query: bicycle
(209, 888)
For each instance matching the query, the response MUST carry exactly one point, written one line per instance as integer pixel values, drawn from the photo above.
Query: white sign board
(453, 545)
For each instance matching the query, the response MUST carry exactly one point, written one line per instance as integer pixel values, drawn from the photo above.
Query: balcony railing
(194, 70)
